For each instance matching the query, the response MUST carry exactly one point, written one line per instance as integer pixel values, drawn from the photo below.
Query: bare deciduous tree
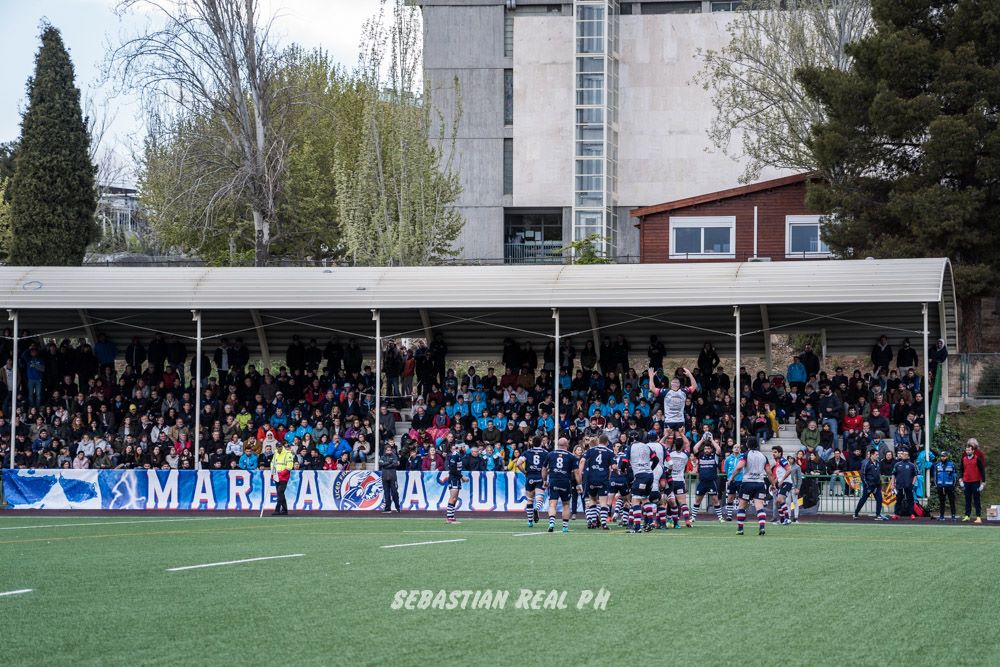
(752, 79)
(211, 68)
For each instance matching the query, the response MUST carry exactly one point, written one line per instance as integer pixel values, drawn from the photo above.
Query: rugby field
(192, 590)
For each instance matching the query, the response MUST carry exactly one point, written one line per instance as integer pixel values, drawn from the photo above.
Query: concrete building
(573, 114)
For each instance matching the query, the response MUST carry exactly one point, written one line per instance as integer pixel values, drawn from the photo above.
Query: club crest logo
(358, 490)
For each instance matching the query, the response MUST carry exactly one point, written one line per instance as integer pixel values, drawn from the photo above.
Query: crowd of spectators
(84, 406)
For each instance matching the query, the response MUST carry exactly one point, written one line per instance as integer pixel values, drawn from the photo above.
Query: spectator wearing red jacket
(973, 467)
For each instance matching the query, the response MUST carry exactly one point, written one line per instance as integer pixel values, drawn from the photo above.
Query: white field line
(19, 592)
(115, 523)
(232, 562)
(420, 544)
(529, 534)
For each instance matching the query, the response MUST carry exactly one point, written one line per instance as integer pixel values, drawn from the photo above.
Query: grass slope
(982, 423)
(819, 594)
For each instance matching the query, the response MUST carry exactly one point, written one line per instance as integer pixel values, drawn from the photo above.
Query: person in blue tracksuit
(945, 476)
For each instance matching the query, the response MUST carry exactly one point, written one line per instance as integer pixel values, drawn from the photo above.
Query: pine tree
(911, 143)
(52, 193)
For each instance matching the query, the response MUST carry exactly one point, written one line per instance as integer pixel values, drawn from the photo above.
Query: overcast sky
(87, 26)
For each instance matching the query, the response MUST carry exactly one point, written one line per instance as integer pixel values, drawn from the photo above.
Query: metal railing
(979, 375)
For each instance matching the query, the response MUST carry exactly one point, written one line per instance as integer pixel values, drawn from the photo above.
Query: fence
(979, 375)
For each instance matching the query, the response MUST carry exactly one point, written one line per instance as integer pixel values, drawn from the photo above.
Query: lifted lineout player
(755, 469)
(455, 478)
(595, 467)
(531, 464)
(559, 475)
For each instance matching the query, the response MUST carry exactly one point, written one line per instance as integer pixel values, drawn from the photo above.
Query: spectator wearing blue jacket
(279, 418)
(340, 447)
(945, 477)
(105, 351)
(796, 373)
(248, 461)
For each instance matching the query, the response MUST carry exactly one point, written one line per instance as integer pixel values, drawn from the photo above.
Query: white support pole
(755, 232)
(12, 315)
(196, 316)
(736, 375)
(928, 418)
(555, 410)
(822, 344)
(377, 316)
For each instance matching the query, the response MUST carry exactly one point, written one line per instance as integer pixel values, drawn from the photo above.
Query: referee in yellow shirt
(281, 469)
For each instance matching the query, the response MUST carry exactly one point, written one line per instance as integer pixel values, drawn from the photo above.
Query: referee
(281, 469)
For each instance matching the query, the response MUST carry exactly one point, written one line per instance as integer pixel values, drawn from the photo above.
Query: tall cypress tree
(52, 194)
(912, 143)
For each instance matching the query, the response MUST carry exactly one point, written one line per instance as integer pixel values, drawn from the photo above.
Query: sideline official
(389, 463)
(281, 470)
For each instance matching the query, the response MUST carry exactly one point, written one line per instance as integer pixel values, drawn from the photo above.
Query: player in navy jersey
(595, 468)
(531, 464)
(708, 474)
(733, 479)
(782, 483)
(755, 469)
(621, 483)
(455, 478)
(560, 476)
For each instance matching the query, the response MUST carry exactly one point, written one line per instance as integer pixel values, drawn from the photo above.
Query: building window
(533, 237)
(802, 237)
(508, 36)
(508, 166)
(672, 7)
(508, 97)
(693, 237)
(726, 5)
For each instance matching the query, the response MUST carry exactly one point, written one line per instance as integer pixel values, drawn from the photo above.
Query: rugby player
(559, 476)
(455, 478)
(531, 463)
(755, 468)
(708, 474)
(595, 468)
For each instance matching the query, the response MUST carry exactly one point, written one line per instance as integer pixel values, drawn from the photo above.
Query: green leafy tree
(912, 144)
(52, 192)
(7, 152)
(5, 233)
(586, 251)
(395, 183)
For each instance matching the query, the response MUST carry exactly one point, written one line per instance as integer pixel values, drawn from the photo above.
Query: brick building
(766, 221)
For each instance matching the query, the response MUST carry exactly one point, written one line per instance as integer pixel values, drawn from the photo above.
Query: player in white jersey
(755, 468)
(674, 398)
(678, 468)
(656, 511)
(641, 460)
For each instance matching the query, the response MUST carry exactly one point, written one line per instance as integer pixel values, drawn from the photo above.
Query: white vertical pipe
(196, 315)
(928, 418)
(12, 314)
(555, 410)
(755, 231)
(736, 314)
(377, 316)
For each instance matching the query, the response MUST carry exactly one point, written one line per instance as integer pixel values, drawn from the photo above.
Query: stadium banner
(199, 490)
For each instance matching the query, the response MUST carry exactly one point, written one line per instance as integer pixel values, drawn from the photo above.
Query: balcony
(536, 252)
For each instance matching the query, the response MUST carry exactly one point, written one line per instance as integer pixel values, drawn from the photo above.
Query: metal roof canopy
(475, 307)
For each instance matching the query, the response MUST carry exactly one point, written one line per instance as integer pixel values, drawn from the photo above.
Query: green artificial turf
(811, 594)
